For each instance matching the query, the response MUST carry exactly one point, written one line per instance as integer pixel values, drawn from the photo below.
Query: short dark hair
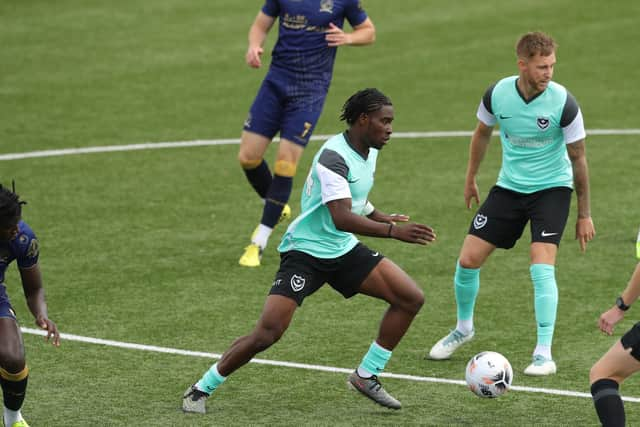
(535, 43)
(363, 102)
(10, 207)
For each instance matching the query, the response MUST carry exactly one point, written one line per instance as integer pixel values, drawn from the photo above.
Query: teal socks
(545, 300)
(467, 284)
(210, 380)
(374, 361)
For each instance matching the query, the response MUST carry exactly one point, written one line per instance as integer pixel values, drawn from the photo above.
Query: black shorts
(301, 274)
(503, 215)
(632, 339)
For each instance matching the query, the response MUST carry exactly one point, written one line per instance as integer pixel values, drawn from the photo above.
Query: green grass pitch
(142, 246)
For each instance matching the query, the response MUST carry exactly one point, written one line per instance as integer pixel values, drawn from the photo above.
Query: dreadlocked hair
(363, 102)
(10, 206)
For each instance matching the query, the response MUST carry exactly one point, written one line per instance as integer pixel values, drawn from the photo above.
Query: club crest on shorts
(543, 123)
(479, 221)
(297, 283)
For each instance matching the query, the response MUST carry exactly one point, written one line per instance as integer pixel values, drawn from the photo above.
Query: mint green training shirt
(533, 134)
(338, 172)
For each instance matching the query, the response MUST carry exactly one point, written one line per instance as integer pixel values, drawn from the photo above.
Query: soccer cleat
(20, 423)
(541, 366)
(372, 388)
(251, 256)
(194, 400)
(285, 214)
(444, 348)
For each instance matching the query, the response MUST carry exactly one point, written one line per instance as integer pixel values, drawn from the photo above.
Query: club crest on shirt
(543, 123)
(34, 248)
(326, 6)
(479, 221)
(297, 283)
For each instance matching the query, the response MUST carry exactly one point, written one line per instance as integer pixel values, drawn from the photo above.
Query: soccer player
(291, 97)
(543, 159)
(319, 246)
(622, 359)
(18, 242)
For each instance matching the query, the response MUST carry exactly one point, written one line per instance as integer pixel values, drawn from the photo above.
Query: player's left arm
(34, 293)
(362, 34)
(585, 230)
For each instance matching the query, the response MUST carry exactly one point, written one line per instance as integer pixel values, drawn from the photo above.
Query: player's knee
(285, 168)
(265, 338)
(469, 261)
(599, 371)
(247, 162)
(414, 302)
(12, 364)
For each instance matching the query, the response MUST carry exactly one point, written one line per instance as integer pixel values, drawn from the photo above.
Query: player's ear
(363, 119)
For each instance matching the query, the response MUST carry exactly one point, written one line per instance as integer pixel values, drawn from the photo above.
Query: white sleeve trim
(574, 131)
(332, 185)
(485, 116)
(368, 209)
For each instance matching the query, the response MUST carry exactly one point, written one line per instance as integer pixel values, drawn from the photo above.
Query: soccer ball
(489, 374)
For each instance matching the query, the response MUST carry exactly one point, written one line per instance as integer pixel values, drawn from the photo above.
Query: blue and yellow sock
(210, 380)
(545, 292)
(277, 197)
(374, 362)
(260, 178)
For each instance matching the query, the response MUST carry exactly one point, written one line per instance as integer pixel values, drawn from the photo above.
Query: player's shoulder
(25, 230)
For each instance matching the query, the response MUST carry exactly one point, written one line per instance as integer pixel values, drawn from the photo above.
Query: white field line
(167, 350)
(200, 143)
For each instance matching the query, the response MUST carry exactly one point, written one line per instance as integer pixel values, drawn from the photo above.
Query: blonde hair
(535, 43)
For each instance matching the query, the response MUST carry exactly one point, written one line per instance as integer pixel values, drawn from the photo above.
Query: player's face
(8, 233)
(379, 130)
(538, 71)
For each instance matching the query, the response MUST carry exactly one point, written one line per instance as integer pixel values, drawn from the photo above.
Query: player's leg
(473, 254)
(498, 223)
(549, 210)
(274, 321)
(262, 124)
(606, 375)
(251, 157)
(14, 373)
(297, 278)
(389, 282)
(275, 207)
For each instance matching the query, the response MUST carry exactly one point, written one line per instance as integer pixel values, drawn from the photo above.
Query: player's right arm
(34, 292)
(609, 318)
(257, 35)
(345, 220)
(477, 149)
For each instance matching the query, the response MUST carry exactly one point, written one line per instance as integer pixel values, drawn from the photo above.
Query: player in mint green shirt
(320, 247)
(543, 161)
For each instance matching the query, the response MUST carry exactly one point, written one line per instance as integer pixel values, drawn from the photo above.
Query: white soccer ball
(489, 374)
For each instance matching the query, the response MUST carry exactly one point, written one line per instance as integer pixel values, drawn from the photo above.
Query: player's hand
(414, 233)
(253, 56)
(48, 325)
(471, 193)
(585, 231)
(609, 318)
(336, 37)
